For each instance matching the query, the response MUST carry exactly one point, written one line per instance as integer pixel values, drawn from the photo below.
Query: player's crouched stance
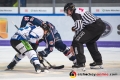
(21, 40)
(88, 28)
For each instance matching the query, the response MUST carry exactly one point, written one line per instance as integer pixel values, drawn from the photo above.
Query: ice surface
(25, 71)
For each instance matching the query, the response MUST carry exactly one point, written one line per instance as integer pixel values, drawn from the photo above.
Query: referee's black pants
(89, 35)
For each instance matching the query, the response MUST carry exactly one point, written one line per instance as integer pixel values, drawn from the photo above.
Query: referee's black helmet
(69, 6)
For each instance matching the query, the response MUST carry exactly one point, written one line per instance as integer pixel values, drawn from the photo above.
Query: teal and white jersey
(31, 34)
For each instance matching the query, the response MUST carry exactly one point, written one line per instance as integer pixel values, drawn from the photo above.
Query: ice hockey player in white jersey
(21, 40)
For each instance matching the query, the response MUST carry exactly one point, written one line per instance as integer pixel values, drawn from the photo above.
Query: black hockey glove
(42, 53)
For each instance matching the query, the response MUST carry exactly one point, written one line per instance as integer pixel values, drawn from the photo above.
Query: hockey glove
(42, 53)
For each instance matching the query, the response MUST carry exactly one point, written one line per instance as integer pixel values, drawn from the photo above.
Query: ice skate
(38, 68)
(11, 66)
(94, 65)
(80, 66)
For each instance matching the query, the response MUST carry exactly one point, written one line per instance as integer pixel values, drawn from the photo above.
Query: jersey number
(26, 18)
(21, 29)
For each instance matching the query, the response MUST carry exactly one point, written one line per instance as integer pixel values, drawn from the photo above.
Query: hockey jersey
(35, 21)
(29, 33)
(50, 38)
(82, 18)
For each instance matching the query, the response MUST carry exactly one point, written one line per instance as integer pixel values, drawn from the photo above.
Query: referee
(88, 29)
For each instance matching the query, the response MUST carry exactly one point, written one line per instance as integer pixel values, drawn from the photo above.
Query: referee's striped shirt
(82, 18)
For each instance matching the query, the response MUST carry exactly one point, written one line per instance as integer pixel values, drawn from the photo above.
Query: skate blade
(46, 71)
(96, 67)
(81, 68)
(8, 69)
(38, 71)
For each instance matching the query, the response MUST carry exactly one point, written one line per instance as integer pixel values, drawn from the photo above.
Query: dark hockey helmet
(69, 6)
(45, 26)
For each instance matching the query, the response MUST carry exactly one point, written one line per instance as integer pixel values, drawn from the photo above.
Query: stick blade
(58, 67)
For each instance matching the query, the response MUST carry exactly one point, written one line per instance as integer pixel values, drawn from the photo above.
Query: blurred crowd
(12, 3)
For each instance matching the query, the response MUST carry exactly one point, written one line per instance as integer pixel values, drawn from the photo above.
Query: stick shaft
(47, 62)
(14, 24)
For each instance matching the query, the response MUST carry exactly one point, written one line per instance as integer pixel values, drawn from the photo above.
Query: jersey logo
(81, 9)
(15, 36)
(26, 18)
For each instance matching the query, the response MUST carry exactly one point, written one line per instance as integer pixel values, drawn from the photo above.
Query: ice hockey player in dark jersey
(88, 29)
(52, 39)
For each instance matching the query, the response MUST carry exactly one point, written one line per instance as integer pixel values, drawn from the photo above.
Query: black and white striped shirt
(82, 18)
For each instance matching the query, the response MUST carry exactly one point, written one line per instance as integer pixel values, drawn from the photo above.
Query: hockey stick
(54, 67)
(15, 25)
(51, 66)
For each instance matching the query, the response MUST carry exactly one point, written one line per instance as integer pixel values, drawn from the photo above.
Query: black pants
(89, 35)
(21, 46)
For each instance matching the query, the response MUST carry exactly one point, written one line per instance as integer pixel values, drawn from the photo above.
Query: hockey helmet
(69, 6)
(45, 26)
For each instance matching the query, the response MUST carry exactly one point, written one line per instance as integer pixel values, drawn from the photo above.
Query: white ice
(24, 70)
